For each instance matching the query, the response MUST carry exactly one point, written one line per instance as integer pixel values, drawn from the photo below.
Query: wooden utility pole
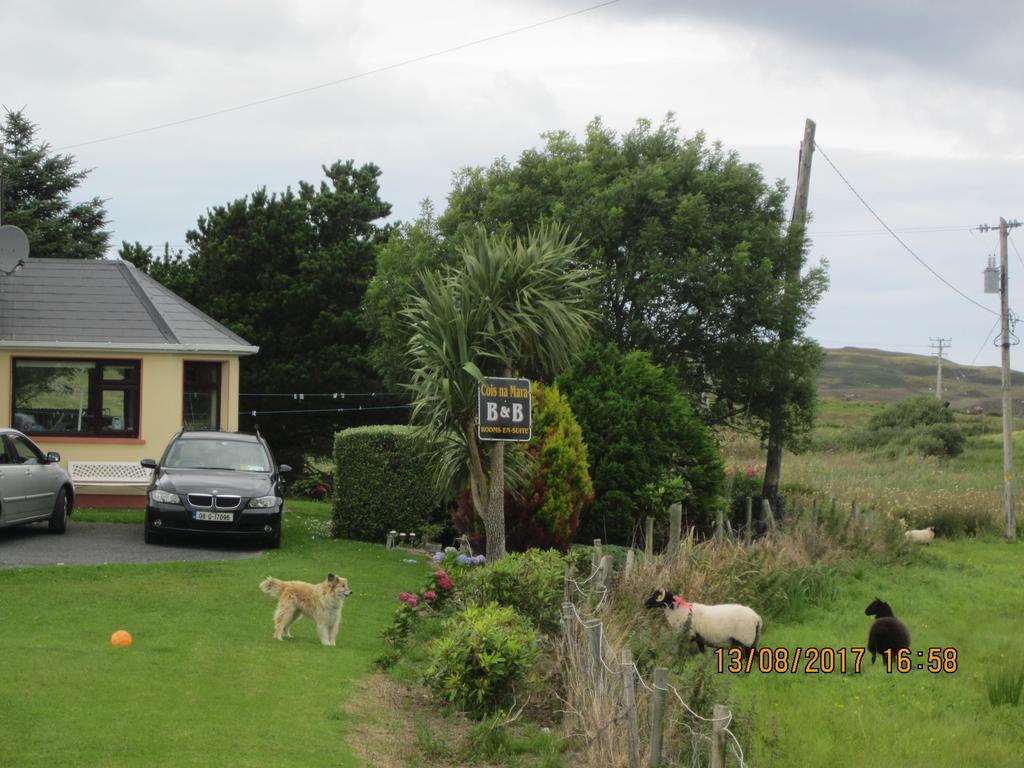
(776, 425)
(940, 344)
(1004, 324)
(1, 183)
(1004, 344)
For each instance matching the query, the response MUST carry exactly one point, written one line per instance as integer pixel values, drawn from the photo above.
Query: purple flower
(438, 557)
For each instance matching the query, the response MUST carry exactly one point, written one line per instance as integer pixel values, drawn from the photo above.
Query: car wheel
(59, 516)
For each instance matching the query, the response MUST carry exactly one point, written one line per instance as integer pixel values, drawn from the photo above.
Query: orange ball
(120, 638)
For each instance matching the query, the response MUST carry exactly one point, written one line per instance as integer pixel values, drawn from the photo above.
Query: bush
(530, 581)
(483, 656)
(647, 447)
(383, 480)
(919, 425)
(546, 513)
(934, 440)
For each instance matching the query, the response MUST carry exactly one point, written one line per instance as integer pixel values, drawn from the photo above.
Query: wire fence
(600, 699)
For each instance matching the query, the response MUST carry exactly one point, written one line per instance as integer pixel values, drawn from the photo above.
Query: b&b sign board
(504, 410)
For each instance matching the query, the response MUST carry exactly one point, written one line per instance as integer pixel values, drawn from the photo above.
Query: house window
(89, 398)
(202, 396)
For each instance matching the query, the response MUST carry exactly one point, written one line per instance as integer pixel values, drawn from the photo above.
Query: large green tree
(288, 272)
(410, 250)
(511, 307)
(690, 244)
(37, 188)
(646, 445)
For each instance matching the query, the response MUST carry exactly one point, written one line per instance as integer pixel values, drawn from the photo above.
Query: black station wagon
(215, 483)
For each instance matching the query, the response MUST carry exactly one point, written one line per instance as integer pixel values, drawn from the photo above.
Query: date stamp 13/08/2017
(814, 660)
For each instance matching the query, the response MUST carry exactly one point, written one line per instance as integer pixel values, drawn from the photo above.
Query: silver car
(33, 485)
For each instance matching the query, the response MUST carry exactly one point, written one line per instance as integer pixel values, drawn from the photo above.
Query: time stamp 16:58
(814, 660)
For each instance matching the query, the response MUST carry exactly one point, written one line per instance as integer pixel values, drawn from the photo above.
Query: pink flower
(410, 600)
(430, 595)
(750, 471)
(443, 581)
(789, 520)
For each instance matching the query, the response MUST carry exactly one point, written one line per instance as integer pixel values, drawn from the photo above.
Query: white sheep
(923, 536)
(726, 624)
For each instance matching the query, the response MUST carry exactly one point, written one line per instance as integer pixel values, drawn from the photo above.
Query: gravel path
(102, 543)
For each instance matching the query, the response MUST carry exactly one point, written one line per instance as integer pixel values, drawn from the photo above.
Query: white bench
(110, 473)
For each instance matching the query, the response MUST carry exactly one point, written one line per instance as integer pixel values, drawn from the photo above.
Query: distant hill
(875, 375)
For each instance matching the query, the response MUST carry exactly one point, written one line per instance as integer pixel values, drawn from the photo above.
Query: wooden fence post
(632, 720)
(657, 713)
(649, 539)
(568, 638)
(567, 588)
(604, 572)
(630, 562)
(593, 628)
(768, 515)
(719, 523)
(675, 525)
(855, 511)
(595, 559)
(749, 534)
(720, 715)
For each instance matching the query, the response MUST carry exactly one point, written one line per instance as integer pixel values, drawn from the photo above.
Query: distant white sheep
(922, 536)
(726, 624)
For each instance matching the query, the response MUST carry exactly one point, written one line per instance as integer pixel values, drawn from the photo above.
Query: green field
(963, 595)
(204, 683)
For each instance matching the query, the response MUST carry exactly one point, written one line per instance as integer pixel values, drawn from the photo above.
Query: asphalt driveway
(102, 543)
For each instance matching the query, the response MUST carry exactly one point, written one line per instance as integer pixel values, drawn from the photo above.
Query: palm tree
(511, 307)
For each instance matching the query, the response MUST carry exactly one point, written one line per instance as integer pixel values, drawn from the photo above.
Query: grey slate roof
(104, 304)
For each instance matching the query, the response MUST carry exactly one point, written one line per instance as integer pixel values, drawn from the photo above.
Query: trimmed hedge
(383, 481)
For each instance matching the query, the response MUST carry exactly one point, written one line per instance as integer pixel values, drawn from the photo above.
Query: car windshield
(218, 454)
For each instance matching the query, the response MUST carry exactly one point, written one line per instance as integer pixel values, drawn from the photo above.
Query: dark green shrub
(530, 581)
(383, 480)
(484, 654)
(546, 513)
(934, 440)
(920, 425)
(647, 447)
(912, 412)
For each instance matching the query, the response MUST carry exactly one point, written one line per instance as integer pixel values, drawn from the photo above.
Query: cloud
(977, 43)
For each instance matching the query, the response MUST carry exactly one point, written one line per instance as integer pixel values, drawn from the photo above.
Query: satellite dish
(13, 247)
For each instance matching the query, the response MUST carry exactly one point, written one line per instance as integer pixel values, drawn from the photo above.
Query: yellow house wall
(160, 408)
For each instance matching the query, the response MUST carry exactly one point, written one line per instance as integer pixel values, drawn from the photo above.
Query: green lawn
(204, 683)
(963, 594)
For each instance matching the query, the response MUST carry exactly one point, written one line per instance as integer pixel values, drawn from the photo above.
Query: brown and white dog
(321, 602)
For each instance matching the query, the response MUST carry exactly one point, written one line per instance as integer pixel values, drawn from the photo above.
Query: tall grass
(781, 576)
(1004, 686)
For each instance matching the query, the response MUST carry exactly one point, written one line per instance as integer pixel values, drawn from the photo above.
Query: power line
(985, 342)
(355, 408)
(889, 229)
(332, 395)
(347, 79)
(914, 230)
(1014, 244)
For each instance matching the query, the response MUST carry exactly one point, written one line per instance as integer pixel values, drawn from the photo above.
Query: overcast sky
(918, 103)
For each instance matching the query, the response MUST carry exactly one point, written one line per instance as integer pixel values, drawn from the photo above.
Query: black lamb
(887, 632)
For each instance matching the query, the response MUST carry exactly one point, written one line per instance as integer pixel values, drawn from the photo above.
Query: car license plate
(213, 517)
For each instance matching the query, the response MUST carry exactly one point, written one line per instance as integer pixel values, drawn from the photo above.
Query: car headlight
(264, 502)
(164, 497)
